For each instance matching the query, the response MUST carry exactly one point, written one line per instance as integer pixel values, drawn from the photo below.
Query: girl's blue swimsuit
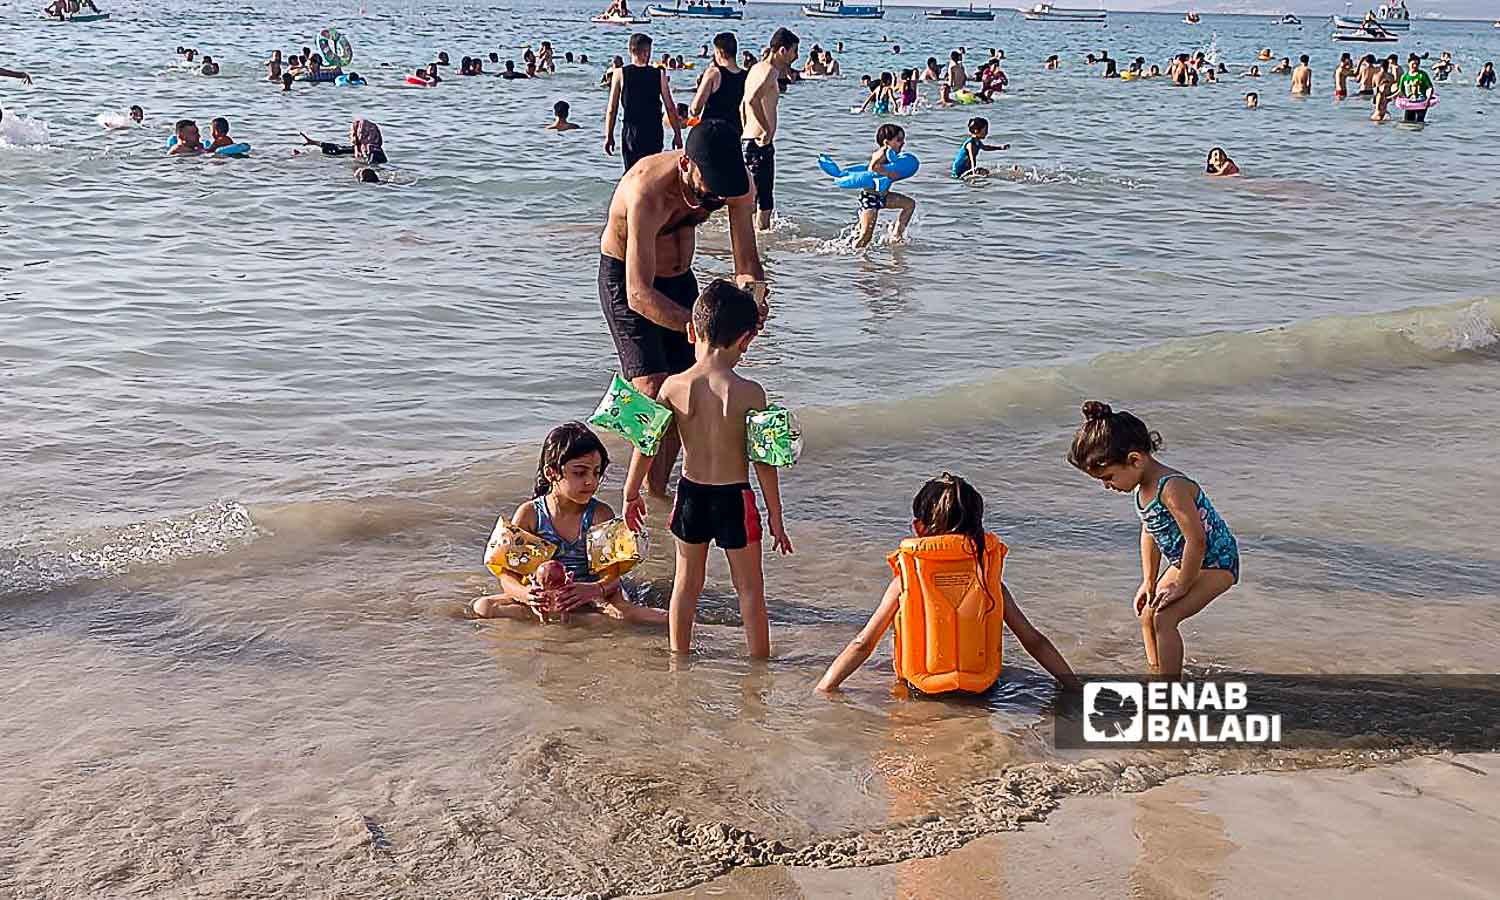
(1221, 552)
(574, 555)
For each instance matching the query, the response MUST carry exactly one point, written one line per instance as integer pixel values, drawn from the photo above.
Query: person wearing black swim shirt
(646, 281)
(723, 86)
(640, 90)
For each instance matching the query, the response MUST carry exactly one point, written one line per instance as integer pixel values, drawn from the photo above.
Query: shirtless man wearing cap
(646, 282)
(758, 110)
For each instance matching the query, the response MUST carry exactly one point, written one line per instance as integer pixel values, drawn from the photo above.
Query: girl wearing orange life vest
(948, 602)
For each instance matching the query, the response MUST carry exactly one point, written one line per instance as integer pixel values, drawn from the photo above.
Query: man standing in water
(758, 112)
(646, 282)
(722, 90)
(641, 90)
(1302, 78)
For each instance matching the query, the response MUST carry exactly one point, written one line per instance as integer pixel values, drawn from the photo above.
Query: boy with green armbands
(711, 404)
(633, 416)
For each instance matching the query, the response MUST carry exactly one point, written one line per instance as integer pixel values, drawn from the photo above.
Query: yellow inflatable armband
(614, 549)
(516, 551)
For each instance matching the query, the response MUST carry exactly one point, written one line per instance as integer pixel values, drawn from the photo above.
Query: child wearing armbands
(948, 602)
(1177, 522)
(711, 404)
(551, 569)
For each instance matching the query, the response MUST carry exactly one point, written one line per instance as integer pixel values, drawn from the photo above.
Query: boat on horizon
(694, 11)
(1288, 19)
(837, 9)
(964, 15)
(625, 21)
(1192, 18)
(1046, 12)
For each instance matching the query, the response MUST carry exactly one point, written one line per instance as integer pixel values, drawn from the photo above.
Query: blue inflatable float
(860, 178)
(349, 81)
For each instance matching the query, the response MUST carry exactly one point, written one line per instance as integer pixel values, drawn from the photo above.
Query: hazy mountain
(1447, 9)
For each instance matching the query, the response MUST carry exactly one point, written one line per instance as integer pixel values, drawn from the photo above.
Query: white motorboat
(1046, 12)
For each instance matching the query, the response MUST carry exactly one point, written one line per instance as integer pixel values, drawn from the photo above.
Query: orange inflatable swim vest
(949, 626)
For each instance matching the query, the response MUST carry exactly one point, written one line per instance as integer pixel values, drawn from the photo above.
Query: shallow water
(258, 423)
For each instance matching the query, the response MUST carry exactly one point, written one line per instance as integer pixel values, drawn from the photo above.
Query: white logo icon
(1113, 712)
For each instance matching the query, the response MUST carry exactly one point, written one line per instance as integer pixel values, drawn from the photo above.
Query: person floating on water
(1252, 100)
(563, 508)
(889, 140)
(642, 92)
(1219, 163)
(560, 117)
(209, 66)
(1178, 524)
(218, 131)
(1486, 77)
(715, 504)
(966, 164)
(950, 545)
(366, 143)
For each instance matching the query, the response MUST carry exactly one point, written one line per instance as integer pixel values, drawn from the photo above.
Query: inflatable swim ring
(323, 76)
(967, 98)
(347, 81)
(420, 82)
(335, 47)
(949, 624)
(902, 165)
(241, 149)
(1129, 76)
(1406, 104)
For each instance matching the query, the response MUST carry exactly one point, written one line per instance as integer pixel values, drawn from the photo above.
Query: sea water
(256, 422)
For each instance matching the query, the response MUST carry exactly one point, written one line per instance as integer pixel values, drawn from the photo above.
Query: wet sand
(1423, 827)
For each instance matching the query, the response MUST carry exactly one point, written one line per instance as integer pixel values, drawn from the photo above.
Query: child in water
(1177, 522)
(715, 505)
(568, 473)
(890, 140)
(948, 505)
(1219, 163)
(560, 117)
(967, 161)
(218, 131)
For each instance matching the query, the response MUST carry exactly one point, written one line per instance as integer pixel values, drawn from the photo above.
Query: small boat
(694, 11)
(1288, 19)
(619, 20)
(1391, 18)
(838, 9)
(1192, 18)
(964, 15)
(1046, 12)
(81, 17)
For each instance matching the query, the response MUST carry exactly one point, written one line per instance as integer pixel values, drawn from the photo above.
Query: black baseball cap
(714, 147)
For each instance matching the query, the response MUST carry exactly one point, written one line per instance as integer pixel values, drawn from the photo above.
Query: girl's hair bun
(1094, 410)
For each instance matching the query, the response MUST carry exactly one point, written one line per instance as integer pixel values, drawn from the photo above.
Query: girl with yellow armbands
(948, 602)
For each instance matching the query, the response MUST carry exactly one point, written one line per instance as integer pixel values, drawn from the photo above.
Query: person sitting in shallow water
(1219, 163)
(365, 143)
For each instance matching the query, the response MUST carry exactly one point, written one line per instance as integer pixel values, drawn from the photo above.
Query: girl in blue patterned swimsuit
(1177, 522)
(572, 465)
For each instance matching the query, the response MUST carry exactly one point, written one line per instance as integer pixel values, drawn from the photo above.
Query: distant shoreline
(1017, 8)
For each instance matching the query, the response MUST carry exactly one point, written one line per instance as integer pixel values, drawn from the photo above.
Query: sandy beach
(1424, 827)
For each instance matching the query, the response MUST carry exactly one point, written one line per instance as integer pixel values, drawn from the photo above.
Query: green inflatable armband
(633, 416)
(773, 437)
